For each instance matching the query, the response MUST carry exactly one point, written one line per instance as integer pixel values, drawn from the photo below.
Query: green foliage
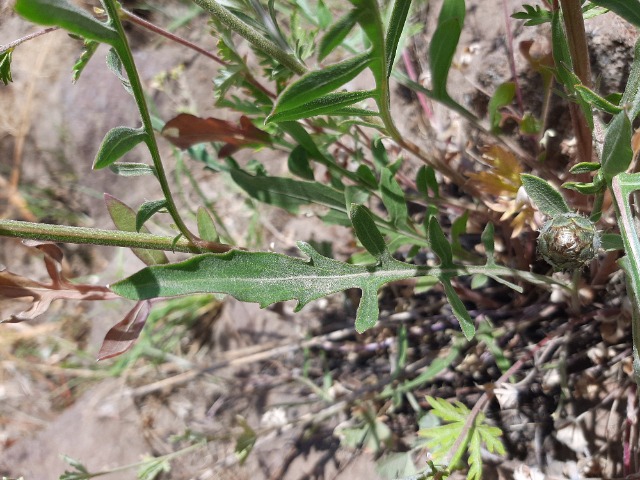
(5, 66)
(440, 439)
(117, 142)
(547, 198)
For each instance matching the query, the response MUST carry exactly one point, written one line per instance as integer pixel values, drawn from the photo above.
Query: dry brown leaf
(123, 334)
(17, 286)
(186, 130)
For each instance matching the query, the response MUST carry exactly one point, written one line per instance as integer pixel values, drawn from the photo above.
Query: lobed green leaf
(266, 278)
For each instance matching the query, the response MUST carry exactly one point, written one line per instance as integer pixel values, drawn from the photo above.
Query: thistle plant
(301, 104)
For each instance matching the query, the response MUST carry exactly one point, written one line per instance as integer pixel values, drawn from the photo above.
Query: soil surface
(231, 366)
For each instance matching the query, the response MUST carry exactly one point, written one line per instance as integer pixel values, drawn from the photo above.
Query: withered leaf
(42, 294)
(186, 130)
(123, 334)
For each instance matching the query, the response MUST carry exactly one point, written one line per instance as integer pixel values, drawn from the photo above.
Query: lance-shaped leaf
(333, 103)
(367, 232)
(114, 63)
(616, 151)
(459, 310)
(88, 49)
(267, 278)
(443, 44)
(206, 226)
(291, 194)
(393, 198)
(124, 218)
(5, 66)
(124, 334)
(186, 130)
(547, 199)
(147, 210)
(318, 83)
(337, 33)
(627, 9)
(116, 143)
(66, 15)
(394, 32)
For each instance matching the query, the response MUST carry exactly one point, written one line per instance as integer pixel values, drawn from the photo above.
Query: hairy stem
(126, 56)
(254, 37)
(93, 236)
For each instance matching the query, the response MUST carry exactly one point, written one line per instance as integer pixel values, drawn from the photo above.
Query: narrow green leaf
(147, 210)
(561, 55)
(631, 96)
(366, 231)
(132, 169)
(291, 194)
(596, 101)
(439, 244)
(393, 198)
(324, 105)
(616, 151)
(459, 310)
(317, 83)
(426, 180)
(367, 176)
(299, 165)
(380, 158)
(394, 31)
(266, 278)
(627, 9)
(5, 66)
(502, 97)
(245, 442)
(547, 199)
(371, 22)
(116, 143)
(63, 14)
(444, 43)
(337, 33)
(115, 65)
(206, 226)
(589, 188)
(89, 47)
(584, 167)
(487, 240)
(124, 218)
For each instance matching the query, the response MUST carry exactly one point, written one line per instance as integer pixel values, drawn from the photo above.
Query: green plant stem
(126, 56)
(175, 38)
(94, 236)
(15, 43)
(253, 36)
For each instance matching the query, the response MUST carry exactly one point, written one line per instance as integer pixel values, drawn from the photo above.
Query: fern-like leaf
(442, 438)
